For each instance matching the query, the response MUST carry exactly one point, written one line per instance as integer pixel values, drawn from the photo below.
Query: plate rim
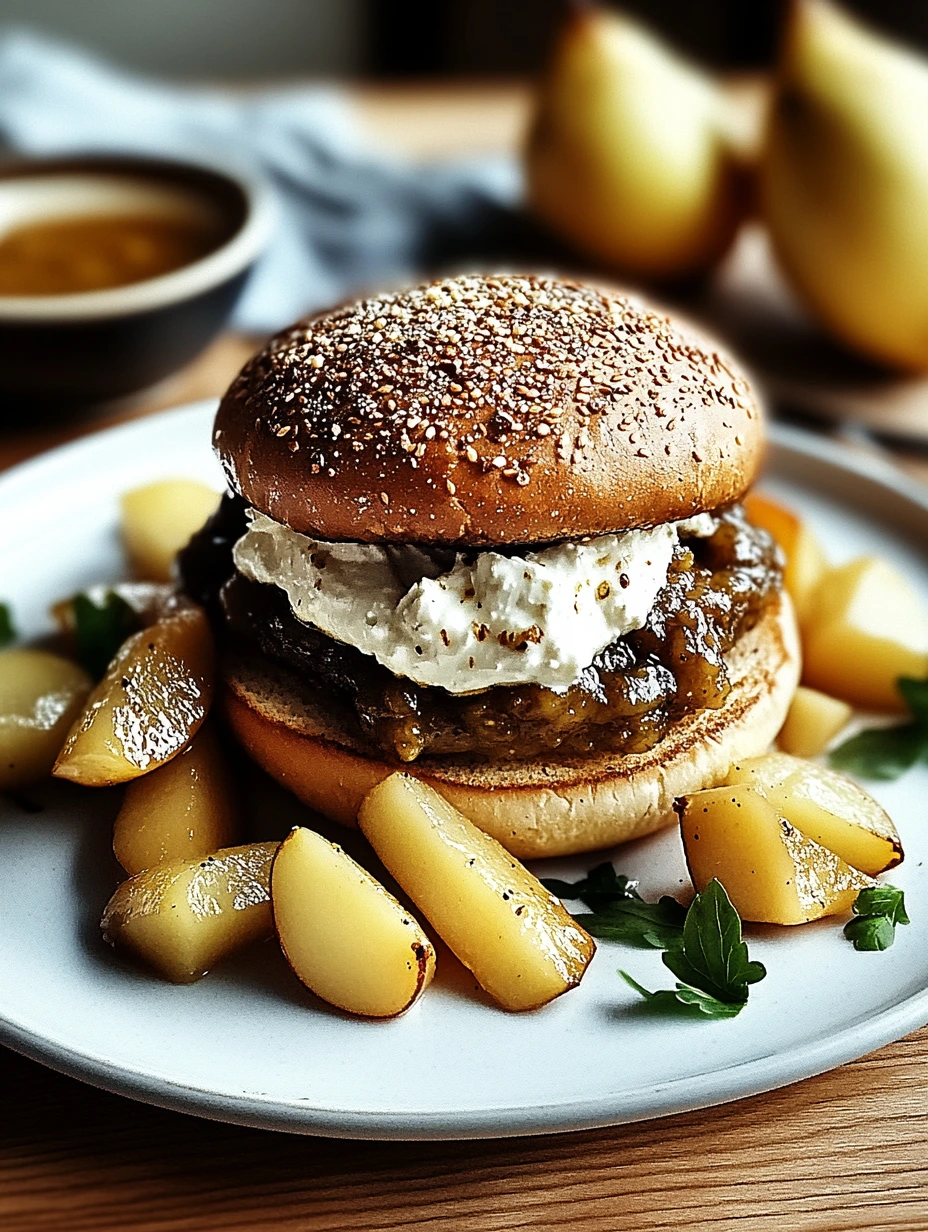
(709, 1089)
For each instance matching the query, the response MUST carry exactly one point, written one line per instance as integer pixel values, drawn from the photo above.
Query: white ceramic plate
(247, 1044)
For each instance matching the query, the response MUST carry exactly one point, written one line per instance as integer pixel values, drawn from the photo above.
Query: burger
(487, 531)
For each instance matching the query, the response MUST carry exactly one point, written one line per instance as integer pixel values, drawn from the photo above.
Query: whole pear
(844, 182)
(633, 157)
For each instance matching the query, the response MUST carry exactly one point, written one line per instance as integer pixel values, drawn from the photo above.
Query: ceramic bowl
(89, 347)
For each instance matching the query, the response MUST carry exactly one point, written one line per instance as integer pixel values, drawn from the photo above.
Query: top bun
(488, 410)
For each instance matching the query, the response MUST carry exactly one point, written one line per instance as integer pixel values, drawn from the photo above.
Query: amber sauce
(64, 256)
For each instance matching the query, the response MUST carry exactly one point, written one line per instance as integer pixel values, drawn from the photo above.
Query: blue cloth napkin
(348, 218)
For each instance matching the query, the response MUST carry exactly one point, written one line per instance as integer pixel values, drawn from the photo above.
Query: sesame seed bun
(488, 410)
(539, 808)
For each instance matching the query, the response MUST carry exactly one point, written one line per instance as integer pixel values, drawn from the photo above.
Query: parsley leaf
(619, 913)
(713, 965)
(600, 887)
(100, 629)
(635, 922)
(915, 695)
(887, 752)
(684, 999)
(882, 752)
(877, 911)
(883, 899)
(714, 957)
(870, 932)
(7, 632)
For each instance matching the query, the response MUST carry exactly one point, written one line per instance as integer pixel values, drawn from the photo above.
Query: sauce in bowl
(69, 255)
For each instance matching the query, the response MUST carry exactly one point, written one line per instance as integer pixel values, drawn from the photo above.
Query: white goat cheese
(538, 618)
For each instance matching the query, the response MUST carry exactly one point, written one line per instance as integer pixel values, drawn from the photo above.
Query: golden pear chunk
(159, 519)
(517, 939)
(40, 696)
(635, 156)
(345, 937)
(868, 628)
(181, 811)
(806, 563)
(813, 721)
(771, 872)
(151, 702)
(185, 917)
(827, 807)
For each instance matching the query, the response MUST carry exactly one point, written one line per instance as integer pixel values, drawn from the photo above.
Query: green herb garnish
(712, 966)
(100, 629)
(619, 913)
(887, 752)
(702, 946)
(877, 911)
(7, 632)
(599, 888)
(685, 998)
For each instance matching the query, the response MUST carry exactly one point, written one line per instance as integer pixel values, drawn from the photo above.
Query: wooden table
(847, 1150)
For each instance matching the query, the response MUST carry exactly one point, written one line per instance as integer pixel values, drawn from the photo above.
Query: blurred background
(247, 41)
(762, 166)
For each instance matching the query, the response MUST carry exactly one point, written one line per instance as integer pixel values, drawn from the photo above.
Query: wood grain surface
(843, 1151)
(847, 1150)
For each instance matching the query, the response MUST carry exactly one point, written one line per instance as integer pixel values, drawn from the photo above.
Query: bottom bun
(536, 808)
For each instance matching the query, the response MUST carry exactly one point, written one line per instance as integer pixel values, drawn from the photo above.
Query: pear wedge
(345, 936)
(41, 695)
(159, 519)
(813, 721)
(634, 155)
(149, 705)
(184, 809)
(867, 627)
(827, 807)
(184, 917)
(771, 872)
(500, 921)
(844, 182)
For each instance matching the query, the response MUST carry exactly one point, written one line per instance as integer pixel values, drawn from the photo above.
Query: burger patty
(717, 588)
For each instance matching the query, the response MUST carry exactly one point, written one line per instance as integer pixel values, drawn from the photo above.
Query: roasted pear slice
(159, 519)
(345, 937)
(827, 807)
(151, 702)
(771, 872)
(813, 721)
(516, 937)
(40, 695)
(869, 626)
(185, 917)
(184, 809)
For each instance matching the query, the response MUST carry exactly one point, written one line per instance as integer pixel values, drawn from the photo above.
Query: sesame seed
(429, 369)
